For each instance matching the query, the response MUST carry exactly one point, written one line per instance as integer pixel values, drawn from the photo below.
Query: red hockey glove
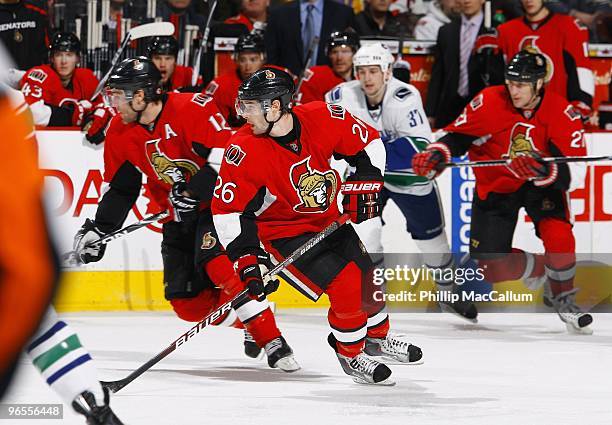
(582, 109)
(530, 167)
(251, 269)
(80, 108)
(430, 163)
(95, 124)
(486, 43)
(362, 196)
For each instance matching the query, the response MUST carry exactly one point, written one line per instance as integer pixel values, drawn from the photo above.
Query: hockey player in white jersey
(395, 109)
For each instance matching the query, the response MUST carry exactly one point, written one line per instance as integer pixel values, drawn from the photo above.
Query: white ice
(508, 369)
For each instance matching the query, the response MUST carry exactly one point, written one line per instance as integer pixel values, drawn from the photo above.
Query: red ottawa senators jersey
(181, 77)
(318, 80)
(503, 132)
(224, 90)
(564, 43)
(166, 153)
(43, 83)
(291, 189)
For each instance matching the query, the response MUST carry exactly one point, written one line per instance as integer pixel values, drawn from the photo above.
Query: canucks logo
(169, 170)
(521, 142)
(316, 190)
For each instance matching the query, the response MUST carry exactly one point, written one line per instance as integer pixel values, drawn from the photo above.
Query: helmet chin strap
(270, 123)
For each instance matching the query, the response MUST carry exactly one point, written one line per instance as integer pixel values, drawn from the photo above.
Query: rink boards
(129, 277)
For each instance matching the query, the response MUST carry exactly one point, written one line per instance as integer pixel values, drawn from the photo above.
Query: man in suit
(456, 76)
(292, 27)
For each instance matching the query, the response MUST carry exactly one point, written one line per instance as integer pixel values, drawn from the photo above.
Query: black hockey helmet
(134, 74)
(526, 67)
(65, 42)
(266, 85)
(163, 45)
(250, 42)
(344, 38)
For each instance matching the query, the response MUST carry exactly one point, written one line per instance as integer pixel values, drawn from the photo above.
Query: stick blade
(113, 386)
(152, 29)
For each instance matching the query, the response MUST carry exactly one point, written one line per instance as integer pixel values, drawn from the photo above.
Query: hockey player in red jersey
(563, 41)
(320, 79)
(250, 56)
(276, 187)
(163, 51)
(62, 87)
(520, 122)
(169, 138)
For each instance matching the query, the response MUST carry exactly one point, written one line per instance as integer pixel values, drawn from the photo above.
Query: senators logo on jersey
(169, 170)
(528, 43)
(315, 189)
(521, 142)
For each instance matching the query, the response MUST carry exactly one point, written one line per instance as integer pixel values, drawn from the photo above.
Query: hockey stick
(553, 159)
(115, 386)
(313, 44)
(203, 48)
(146, 30)
(70, 258)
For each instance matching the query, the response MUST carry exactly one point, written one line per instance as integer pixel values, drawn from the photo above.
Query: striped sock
(59, 356)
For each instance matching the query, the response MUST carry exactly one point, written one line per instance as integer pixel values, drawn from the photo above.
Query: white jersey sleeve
(403, 114)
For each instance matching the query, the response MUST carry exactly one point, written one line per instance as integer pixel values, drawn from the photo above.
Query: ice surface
(508, 369)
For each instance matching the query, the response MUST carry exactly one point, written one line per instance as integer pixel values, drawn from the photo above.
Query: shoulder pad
(37, 75)
(402, 93)
(335, 94)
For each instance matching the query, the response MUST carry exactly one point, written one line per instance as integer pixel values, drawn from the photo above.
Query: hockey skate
(280, 355)
(463, 309)
(394, 350)
(361, 368)
(251, 349)
(576, 321)
(86, 405)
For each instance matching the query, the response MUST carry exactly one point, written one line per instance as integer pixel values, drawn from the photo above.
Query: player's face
(252, 112)
(470, 7)
(254, 7)
(379, 5)
(532, 7)
(120, 100)
(341, 58)
(521, 94)
(248, 63)
(371, 78)
(165, 64)
(65, 63)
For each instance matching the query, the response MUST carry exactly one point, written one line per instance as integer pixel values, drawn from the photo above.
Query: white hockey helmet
(373, 54)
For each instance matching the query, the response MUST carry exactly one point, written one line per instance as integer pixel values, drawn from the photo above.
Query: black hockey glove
(251, 269)
(185, 207)
(88, 233)
(362, 196)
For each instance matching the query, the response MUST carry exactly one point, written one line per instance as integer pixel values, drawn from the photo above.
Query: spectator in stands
(588, 12)
(180, 13)
(252, 13)
(376, 19)
(293, 26)
(320, 79)
(163, 52)
(563, 41)
(454, 79)
(439, 12)
(24, 30)
(249, 55)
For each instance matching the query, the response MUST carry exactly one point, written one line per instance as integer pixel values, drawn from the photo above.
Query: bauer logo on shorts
(234, 155)
(208, 241)
(521, 142)
(316, 190)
